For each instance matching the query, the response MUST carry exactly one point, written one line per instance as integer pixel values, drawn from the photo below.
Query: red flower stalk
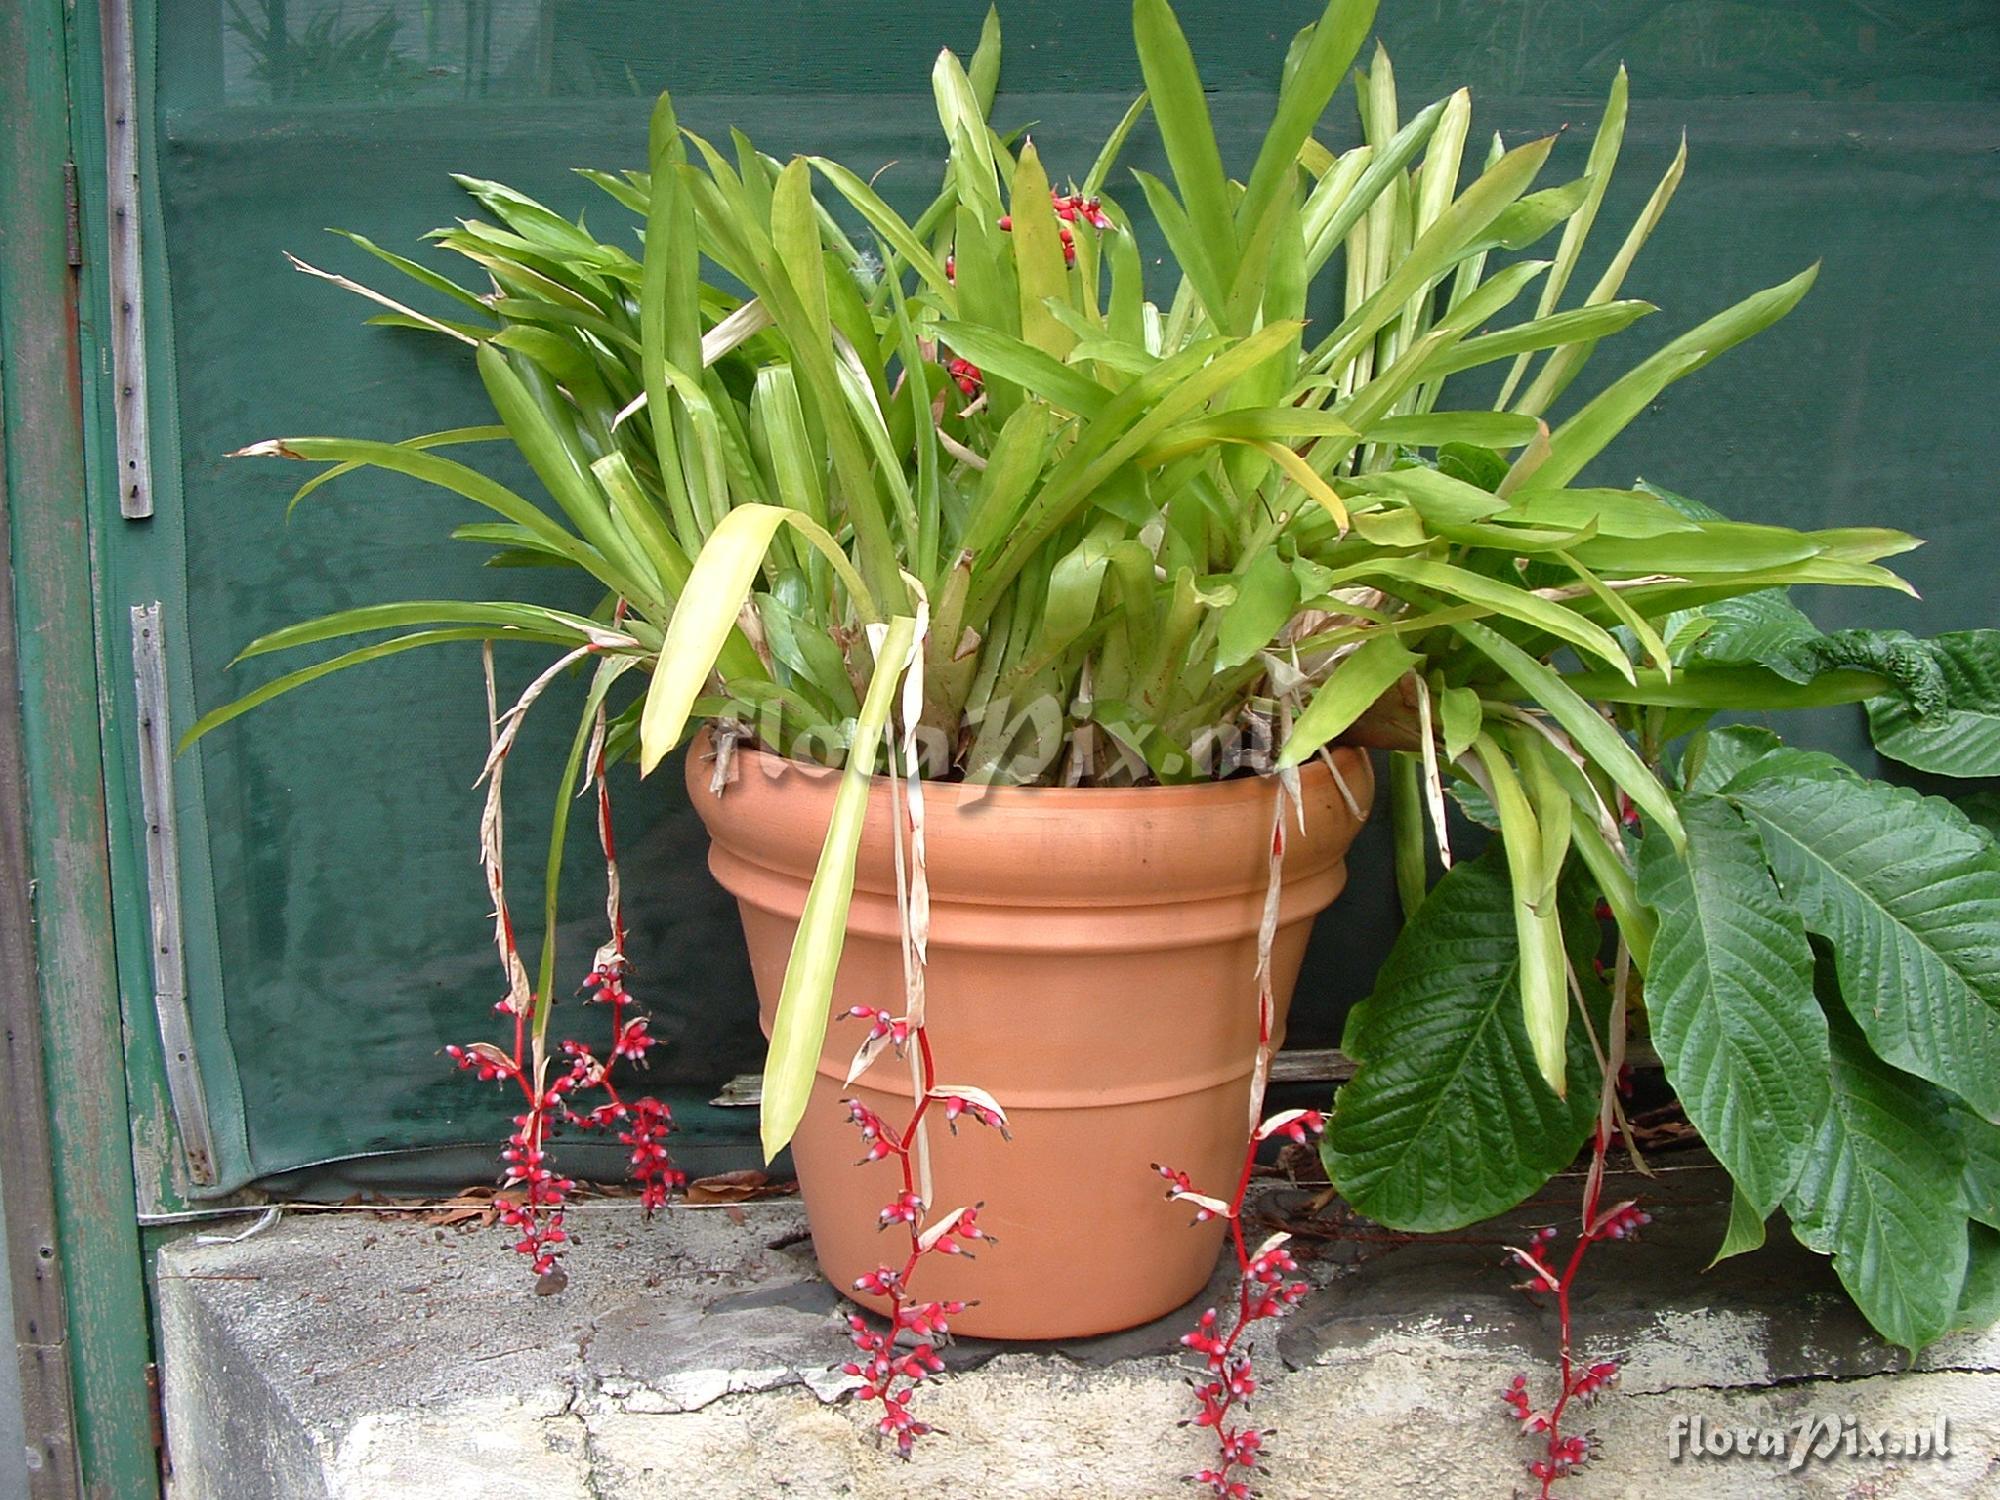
(895, 1361)
(551, 1098)
(1578, 1382)
(1563, 1454)
(1229, 1378)
(1069, 207)
(891, 1363)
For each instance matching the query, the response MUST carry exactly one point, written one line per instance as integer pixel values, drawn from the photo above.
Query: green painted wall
(336, 916)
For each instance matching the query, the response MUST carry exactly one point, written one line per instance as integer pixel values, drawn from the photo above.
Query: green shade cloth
(337, 921)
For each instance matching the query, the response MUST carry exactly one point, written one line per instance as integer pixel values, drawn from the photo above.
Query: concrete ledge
(354, 1357)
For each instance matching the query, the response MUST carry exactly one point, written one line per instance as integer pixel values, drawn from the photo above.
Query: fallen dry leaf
(737, 1187)
(474, 1205)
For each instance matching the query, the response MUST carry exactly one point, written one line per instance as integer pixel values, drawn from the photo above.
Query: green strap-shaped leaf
(885, 221)
(1038, 256)
(1609, 513)
(1497, 595)
(1435, 251)
(1001, 354)
(1907, 894)
(798, 1031)
(560, 468)
(1729, 993)
(1151, 405)
(490, 433)
(1593, 736)
(1719, 548)
(983, 73)
(1880, 1194)
(1447, 1120)
(1586, 434)
(1558, 331)
(1528, 836)
(1603, 158)
(1114, 143)
(1489, 429)
(1563, 365)
(1267, 593)
(424, 275)
(1347, 694)
(1328, 51)
(1181, 110)
(1716, 689)
(1349, 190)
(446, 474)
(601, 681)
(1962, 736)
(706, 614)
(277, 686)
(495, 618)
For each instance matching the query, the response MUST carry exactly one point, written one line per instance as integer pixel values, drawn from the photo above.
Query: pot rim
(1355, 763)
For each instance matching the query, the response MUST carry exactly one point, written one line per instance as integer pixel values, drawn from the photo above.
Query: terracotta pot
(1092, 960)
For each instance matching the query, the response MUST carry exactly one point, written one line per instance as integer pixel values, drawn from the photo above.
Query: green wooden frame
(47, 332)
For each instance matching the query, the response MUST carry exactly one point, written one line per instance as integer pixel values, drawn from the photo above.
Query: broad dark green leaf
(1894, 654)
(1880, 1194)
(1979, 1299)
(1744, 1232)
(1980, 1141)
(1982, 808)
(1907, 893)
(1751, 628)
(1961, 735)
(1729, 994)
(1447, 1121)
(1718, 756)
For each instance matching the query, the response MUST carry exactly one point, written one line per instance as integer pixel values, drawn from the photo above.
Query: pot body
(1092, 965)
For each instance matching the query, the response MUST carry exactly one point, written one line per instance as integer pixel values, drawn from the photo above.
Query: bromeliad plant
(1310, 491)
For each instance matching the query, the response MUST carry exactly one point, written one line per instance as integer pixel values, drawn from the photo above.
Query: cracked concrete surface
(352, 1357)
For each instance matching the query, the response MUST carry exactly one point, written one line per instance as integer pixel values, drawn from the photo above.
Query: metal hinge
(124, 270)
(185, 1094)
(72, 218)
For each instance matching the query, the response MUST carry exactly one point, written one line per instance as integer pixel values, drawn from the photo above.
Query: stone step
(352, 1356)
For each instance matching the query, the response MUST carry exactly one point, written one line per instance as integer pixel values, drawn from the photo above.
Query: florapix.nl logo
(1814, 1437)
